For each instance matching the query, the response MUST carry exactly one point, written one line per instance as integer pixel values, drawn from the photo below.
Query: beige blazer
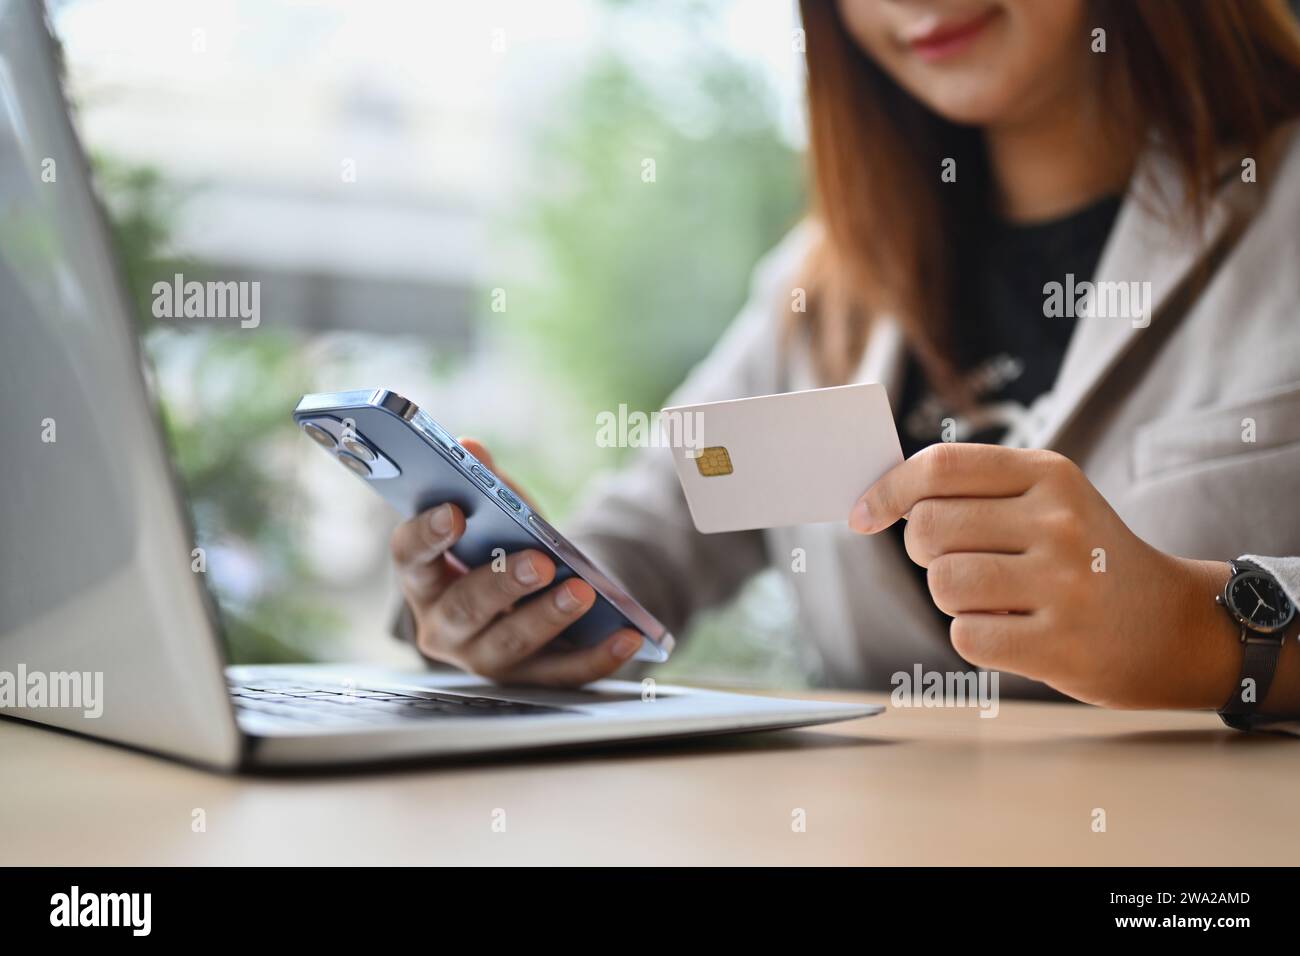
(1154, 416)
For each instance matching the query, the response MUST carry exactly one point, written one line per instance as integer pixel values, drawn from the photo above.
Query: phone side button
(544, 529)
(482, 476)
(510, 499)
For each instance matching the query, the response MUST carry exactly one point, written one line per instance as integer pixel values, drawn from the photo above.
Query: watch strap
(1259, 657)
(1259, 654)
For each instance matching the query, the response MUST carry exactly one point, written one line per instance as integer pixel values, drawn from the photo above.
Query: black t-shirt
(1007, 350)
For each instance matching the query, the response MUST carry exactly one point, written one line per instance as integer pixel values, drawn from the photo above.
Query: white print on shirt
(925, 422)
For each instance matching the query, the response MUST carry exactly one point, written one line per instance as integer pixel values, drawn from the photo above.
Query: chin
(967, 103)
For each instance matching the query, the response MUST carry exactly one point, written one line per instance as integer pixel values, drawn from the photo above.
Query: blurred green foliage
(140, 206)
(238, 501)
(240, 493)
(638, 278)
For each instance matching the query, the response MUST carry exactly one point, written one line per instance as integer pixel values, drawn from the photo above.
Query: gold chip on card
(714, 461)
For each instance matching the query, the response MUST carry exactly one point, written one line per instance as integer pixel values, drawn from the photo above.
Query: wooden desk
(907, 787)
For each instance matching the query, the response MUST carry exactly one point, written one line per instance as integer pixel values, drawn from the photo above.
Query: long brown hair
(1192, 75)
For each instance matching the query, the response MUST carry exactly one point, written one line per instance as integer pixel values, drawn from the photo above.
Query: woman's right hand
(468, 617)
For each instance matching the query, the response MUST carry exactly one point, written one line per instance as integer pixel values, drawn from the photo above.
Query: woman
(1081, 470)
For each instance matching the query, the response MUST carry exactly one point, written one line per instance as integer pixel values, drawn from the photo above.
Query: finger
(428, 535)
(419, 551)
(962, 583)
(526, 630)
(479, 451)
(573, 668)
(469, 604)
(1010, 642)
(423, 584)
(946, 525)
(947, 470)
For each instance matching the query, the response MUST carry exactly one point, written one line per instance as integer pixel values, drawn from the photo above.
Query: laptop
(105, 627)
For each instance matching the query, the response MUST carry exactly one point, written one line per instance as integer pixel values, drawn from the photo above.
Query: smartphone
(415, 464)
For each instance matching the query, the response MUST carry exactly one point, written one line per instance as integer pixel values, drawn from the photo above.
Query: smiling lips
(937, 41)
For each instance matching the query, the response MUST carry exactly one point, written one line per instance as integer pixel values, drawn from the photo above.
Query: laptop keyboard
(334, 704)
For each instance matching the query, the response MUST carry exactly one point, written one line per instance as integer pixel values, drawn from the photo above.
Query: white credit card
(778, 460)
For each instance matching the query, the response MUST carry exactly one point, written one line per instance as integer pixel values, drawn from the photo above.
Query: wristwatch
(1256, 602)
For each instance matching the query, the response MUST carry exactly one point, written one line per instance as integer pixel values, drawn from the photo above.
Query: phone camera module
(357, 448)
(319, 435)
(355, 464)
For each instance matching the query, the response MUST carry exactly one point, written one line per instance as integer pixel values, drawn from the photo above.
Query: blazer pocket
(1217, 435)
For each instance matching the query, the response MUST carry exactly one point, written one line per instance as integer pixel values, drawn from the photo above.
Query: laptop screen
(95, 554)
(69, 519)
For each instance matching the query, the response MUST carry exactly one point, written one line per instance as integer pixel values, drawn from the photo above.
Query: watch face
(1260, 602)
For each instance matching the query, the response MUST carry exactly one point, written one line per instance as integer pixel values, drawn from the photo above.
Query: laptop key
(335, 703)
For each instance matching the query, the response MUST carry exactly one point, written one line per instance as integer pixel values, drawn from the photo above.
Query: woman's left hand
(1043, 579)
